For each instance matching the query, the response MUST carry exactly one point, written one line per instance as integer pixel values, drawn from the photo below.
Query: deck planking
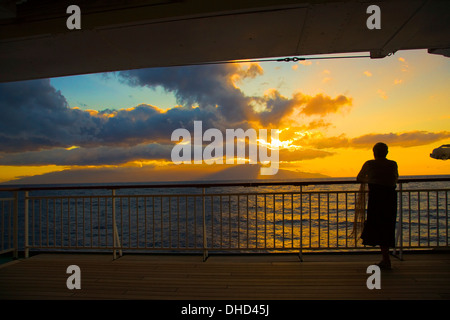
(424, 276)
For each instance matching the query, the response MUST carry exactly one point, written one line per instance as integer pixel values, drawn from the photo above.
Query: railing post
(16, 225)
(26, 244)
(300, 252)
(116, 240)
(399, 235)
(205, 242)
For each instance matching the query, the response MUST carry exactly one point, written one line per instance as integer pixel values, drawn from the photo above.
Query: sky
(328, 113)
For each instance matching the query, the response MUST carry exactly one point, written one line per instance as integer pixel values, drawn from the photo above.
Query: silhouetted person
(381, 175)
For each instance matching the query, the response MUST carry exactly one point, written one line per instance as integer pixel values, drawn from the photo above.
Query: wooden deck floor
(252, 277)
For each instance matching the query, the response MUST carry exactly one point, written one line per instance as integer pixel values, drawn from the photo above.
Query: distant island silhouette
(154, 174)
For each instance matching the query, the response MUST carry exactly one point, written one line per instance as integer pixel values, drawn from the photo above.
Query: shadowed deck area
(222, 277)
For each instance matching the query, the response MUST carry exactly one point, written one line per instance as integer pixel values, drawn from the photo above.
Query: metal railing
(9, 224)
(244, 217)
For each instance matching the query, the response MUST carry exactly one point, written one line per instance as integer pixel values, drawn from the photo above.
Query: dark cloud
(211, 87)
(321, 142)
(89, 156)
(303, 154)
(406, 139)
(37, 124)
(145, 123)
(323, 105)
(276, 108)
(34, 116)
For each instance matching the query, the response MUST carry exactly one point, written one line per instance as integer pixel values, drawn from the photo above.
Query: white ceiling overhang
(121, 35)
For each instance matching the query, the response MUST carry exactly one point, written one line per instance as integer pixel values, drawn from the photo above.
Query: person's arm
(396, 172)
(363, 174)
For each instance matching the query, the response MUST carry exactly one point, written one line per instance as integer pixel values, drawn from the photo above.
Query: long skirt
(379, 228)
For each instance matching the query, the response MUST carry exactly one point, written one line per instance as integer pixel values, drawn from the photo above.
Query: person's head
(380, 150)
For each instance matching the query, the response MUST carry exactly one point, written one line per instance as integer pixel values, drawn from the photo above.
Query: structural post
(16, 225)
(116, 241)
(300, 252)
(205, 242)
(399, 233)
(26, 244)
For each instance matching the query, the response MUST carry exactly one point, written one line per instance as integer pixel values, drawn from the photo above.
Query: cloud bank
(367, 141)
(37, 126)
